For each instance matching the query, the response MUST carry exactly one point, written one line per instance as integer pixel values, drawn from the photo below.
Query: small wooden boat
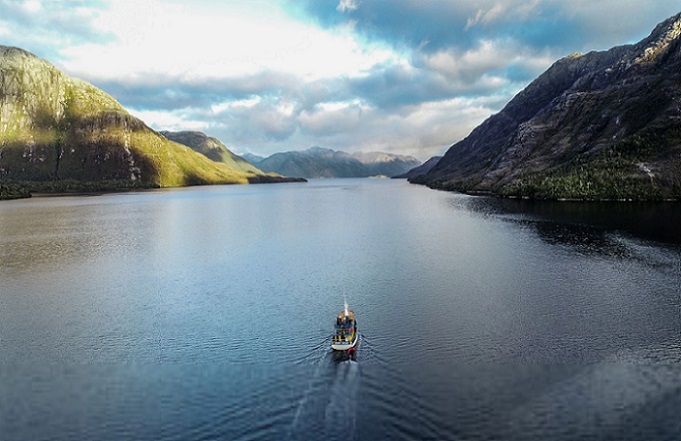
(345, 336)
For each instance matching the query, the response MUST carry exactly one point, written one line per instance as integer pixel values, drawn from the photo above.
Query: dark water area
(654, 221)
(206, 313)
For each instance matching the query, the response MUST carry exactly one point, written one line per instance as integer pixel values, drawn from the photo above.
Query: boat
(345, 336)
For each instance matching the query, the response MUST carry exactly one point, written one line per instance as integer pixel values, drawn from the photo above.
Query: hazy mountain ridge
(252, 158)
(59, 133)
(318, 162)
(605, 125)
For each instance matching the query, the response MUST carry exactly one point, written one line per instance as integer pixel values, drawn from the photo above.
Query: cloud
(172, 92)
(397, 132)
(347, 5)
(44, 27)
(564, 27)
(229, 39)
(329, 119)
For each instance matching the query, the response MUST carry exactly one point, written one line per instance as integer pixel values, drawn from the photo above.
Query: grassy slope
(173, 164)
(60, 133)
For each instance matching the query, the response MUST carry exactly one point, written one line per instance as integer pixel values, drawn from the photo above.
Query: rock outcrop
(58, 132)
(605, 125)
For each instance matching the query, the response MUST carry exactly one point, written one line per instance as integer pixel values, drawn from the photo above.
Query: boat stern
(343, 344)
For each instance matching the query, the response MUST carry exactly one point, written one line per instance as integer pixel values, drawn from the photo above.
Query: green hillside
(63, 134)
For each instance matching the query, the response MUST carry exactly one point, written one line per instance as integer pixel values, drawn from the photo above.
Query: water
(206, 313)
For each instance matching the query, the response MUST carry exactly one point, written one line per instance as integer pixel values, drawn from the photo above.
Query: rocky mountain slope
(58, 133)
(421, 169)
(318, 162)
(605, 125)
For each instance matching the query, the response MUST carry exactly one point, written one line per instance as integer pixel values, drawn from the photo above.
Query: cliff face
(54, 128)
(605, 125)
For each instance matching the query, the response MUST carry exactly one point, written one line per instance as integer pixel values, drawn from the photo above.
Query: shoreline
(24, 190)
(491, 193)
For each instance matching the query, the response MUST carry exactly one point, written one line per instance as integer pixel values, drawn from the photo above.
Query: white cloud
(486, 16)
(236, 104)
(230, 40)
(516, 10)
(332, 118)
(173, 121)
(487, 55)
(32, 6)
(347, 5)
(4, 30)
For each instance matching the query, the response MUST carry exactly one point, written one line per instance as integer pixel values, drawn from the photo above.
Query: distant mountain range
(62, 134)
(253, 159)
(319, 162)
(605, 125)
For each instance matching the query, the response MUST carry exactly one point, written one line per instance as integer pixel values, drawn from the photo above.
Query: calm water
(206, 313)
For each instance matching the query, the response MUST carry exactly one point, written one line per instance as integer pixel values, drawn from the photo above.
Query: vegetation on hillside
(14, 191)
(620, 172)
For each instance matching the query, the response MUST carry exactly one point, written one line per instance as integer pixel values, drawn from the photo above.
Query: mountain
(421, 169)
(605, 125)
(212, 148)
(59, 133)
(216, 151)
(318, 162)
(253, 159)
(386, 164)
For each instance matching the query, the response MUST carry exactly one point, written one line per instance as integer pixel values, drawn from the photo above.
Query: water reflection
(655, 221)
(648, 233)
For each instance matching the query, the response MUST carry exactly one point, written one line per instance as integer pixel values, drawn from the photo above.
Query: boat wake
(340, 418)
(328, 404)
(305, 407)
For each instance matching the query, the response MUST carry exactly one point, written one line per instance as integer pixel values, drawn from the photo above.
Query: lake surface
(206, 313)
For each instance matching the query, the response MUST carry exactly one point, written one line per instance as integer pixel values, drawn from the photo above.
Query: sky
(264, 76)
